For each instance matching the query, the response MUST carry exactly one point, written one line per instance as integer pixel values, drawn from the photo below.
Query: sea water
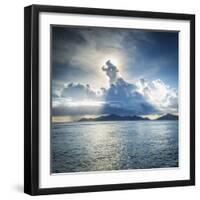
(113, 145)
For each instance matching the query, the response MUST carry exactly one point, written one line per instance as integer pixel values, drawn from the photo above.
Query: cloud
(79, 52)
(160, 95)
(121, 97)
(84, 46)
(77, 91)
(85, 81)
(111, 71)
(66, 109)
(126, 97)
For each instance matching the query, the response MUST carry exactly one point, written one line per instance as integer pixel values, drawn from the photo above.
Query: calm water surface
(102, 146)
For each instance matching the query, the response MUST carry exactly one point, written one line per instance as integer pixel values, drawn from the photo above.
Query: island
(113, 117)
(168, 117)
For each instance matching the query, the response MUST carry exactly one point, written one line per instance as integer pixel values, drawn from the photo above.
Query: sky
(98, 70)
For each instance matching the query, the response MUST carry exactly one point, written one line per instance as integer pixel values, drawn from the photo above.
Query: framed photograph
(109, 100)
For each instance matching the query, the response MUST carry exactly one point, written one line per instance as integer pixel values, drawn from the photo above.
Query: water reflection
(102, 146)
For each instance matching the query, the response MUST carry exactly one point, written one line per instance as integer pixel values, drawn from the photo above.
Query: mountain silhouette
(113, 117)
(168, 117)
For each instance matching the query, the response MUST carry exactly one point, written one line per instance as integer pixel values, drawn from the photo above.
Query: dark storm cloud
(62, 71)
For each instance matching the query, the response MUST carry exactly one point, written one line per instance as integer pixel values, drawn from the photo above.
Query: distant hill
(168, 117)
(113, 117)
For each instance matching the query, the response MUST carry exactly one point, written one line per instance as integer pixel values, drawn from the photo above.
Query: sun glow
(89, 103)
(114, 59)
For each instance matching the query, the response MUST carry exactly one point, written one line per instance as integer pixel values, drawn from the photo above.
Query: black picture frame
(31, 99)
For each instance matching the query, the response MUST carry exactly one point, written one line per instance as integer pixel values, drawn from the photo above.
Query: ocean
(113, 145)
